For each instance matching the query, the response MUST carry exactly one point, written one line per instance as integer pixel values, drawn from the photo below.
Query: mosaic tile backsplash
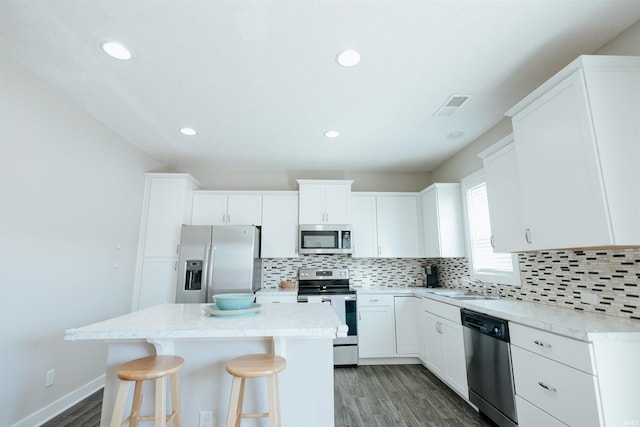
(571, 279)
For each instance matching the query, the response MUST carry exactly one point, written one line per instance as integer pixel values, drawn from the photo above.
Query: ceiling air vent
(451, 105)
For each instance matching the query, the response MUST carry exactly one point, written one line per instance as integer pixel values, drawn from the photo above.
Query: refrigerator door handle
(211, 250)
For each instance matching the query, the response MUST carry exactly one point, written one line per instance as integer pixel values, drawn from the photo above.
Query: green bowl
(238, 301)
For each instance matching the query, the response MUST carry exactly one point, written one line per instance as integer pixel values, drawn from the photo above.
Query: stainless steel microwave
(324, 239)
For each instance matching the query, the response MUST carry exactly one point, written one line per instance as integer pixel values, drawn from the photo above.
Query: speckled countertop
(571, 323)
(189, 321)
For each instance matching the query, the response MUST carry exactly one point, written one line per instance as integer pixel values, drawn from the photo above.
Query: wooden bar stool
(255, 366)
(156, 368)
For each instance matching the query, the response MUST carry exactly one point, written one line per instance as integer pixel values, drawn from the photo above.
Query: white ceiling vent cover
(451, 105)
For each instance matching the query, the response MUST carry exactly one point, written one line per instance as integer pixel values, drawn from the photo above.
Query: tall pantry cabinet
(166, 206)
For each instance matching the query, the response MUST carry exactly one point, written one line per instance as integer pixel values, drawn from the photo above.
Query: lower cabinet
(406, 310)
(289, 297)
(554, 379)
(376, 330)
(442, 345)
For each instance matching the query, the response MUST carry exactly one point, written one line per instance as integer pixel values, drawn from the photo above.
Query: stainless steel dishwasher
(489, 375)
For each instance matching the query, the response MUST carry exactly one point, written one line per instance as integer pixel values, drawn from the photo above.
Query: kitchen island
(301, 333)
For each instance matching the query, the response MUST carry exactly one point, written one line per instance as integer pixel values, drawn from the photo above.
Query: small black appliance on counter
(431, 276)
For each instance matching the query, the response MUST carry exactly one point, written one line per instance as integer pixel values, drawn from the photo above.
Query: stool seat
(149, 368)
(156, 368)
(255, 366)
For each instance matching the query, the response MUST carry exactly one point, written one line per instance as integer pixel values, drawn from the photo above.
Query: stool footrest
(255, 415)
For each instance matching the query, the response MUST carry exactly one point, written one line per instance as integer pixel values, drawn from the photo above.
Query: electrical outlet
(51, 377)
(589, 298)
(206, 419)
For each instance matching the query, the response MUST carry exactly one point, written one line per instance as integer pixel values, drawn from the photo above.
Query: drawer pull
(542, 344)
(373, 300)
(547, 387)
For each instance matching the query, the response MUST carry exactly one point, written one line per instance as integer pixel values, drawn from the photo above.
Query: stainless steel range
(332, 285)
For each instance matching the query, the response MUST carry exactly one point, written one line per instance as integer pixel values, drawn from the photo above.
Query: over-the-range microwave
(324, 239)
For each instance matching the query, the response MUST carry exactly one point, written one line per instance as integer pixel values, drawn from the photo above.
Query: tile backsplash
(600, 281)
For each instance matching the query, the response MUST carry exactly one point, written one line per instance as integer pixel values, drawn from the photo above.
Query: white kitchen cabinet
(576, 382)
(397, 225)
(504, 196)
(158, 282)
(442, 221)
(279, 233)
(443, 344)
(364, 228)
(324, 202)
(556, 375)
(376, 330)
(406, 309)
(166, 206)
(224, 208)
(289, 297)
(576, 140)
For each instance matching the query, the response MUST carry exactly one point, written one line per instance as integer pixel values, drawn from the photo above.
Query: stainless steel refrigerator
(217, 259)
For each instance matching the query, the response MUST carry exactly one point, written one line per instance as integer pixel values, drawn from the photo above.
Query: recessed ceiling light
(188, 131)
(348, 58)
(332, 134)
(116, 50)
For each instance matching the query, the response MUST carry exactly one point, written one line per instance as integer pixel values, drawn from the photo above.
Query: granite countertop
(188, 321)
(575, 324)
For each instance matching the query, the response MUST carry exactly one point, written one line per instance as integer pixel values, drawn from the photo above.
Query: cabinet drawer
(574, 353)
(563, 392)
(532, 416)
(444, 310)
(374, 300)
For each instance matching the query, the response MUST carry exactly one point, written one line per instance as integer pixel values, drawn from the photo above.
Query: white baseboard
(50, 411)
(390, 361)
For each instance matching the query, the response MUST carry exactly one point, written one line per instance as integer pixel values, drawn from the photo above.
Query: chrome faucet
(483, 286)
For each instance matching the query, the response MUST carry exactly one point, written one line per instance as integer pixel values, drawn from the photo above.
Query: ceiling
(259, 82)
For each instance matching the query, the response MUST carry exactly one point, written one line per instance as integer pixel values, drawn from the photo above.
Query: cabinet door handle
(527, 235)
(542, 344)
(175, 267)
(359, 316)
(492, 240)
(547, 387)
(178, 249)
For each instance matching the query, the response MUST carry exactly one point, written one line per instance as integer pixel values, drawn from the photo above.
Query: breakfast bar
(302, 334)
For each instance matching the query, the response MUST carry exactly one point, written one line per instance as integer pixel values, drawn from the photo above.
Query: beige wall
(466, 160)
(286, 179)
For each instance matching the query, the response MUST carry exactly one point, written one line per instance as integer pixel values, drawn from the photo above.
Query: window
(484, 263)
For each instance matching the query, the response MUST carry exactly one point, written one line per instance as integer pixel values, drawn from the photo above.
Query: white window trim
(513, 278)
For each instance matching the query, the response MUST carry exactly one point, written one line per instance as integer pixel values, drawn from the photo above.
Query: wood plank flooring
(399, 396)
(366, 396)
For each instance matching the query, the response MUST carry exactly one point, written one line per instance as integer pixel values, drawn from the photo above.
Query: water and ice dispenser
(193, 275)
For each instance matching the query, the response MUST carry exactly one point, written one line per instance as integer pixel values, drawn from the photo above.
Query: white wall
(71, 193)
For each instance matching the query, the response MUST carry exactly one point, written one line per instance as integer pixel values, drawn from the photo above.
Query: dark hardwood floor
(366, 396)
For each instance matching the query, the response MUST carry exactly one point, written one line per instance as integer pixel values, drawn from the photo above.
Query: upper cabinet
(397, 224)
(324, 202)
(225, 208)
(576, 144)
(364, 226)
(504, 196)
(385, 225)
(442, 221)
(279, 225)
